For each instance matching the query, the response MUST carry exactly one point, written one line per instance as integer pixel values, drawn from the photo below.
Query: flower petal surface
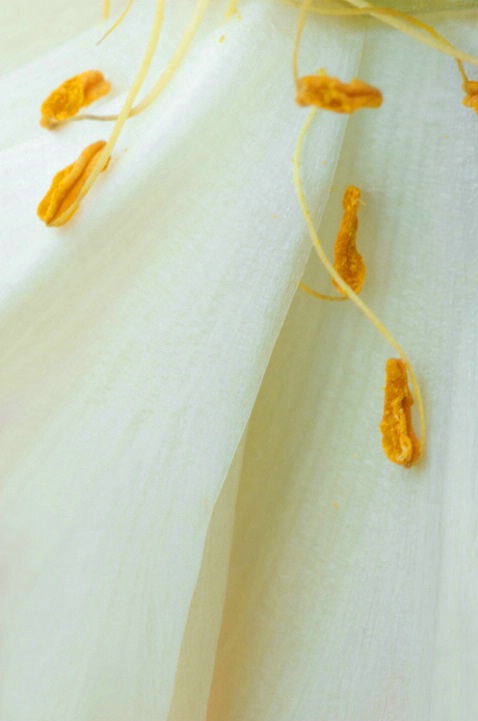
(133, 343)
(353, 583)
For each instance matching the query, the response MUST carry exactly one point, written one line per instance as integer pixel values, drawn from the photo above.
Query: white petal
(353, 582)
(133, 344)
(28, 29)
(198, 650)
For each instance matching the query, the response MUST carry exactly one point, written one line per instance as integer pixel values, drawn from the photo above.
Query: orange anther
(471, 98)
(67, 184)
(72, 95)
(347, 260)
(398, 437)
(332, 94)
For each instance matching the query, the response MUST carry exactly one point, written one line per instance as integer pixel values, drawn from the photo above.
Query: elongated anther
(398, 437)
(72, 95)
(332, 94)
(348, 262)
(67, 184)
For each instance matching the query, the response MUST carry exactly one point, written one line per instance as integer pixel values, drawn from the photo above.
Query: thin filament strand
(320, 296)
(123, 116)
(400, 21)
(167, 74)
(117, 23)
(304, 9)
(346, 288)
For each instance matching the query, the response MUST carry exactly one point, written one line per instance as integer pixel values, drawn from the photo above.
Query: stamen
(117, 23)
(346, 289)
(58, 204)
(320, 296)
(347, 260)
(398, 437)
(123, 116)
(168, 73)
(106, 9)
(332, 94)
(72, 95)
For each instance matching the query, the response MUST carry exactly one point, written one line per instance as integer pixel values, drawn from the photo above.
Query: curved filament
(347, 290)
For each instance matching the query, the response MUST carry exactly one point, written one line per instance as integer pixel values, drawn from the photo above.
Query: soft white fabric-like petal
(133, 342)
(198, 650)
(353, 584)
(28, 29)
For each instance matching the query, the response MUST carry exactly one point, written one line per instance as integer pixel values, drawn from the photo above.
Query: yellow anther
(347, 260)
(67, 184)
(471, 98)
(418, 448)
(398, 437)
(72, 95)
(332, 94)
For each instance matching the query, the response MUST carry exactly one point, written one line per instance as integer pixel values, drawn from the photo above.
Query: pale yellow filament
(123, 116)
(106, 9)
(397, 19)
(304, 9)
(345, 287)
(167, 74)
(320, 296)
(117, 23)
(400, 21)
(176, 59)
(464, 77)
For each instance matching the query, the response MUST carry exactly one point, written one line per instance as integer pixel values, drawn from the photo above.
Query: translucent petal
(198, 649)
(28, 29)
(133, 342)
(353, 585)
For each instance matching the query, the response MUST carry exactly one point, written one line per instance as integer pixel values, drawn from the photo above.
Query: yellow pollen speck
(398, 437)
(222, 38)
(348, 262)
(67, 184)
(72, 95)
(332, 94)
